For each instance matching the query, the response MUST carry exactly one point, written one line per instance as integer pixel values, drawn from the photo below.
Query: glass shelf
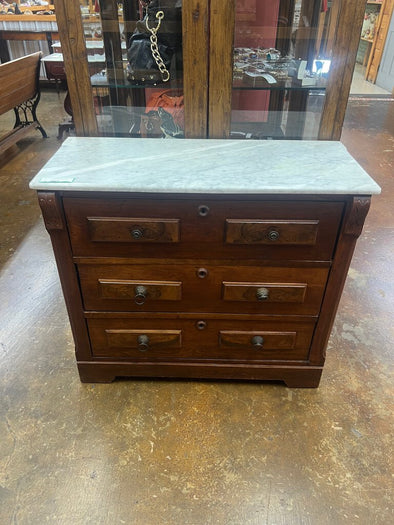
(100, 80)
(291, 85)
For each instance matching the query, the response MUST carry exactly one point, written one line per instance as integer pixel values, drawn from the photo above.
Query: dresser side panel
(354, 218)
(55, 223)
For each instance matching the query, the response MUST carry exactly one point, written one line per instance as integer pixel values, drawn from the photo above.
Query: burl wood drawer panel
(199, 339)
(202, 287)
(122, 229)
(183, 227)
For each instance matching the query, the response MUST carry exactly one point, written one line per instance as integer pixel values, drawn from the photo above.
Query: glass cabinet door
(281, 63)
(134, 53)
(263, 69)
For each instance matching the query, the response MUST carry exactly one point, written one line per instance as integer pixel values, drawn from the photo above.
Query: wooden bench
(19, 90)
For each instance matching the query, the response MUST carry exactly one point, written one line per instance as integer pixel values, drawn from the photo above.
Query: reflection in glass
(282, 58)
(135, 61)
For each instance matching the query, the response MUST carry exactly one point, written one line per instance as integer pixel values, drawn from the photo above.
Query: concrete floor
(360, 86)
(196, 453)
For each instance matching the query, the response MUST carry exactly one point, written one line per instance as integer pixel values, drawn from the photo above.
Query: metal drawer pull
(141, 293)
(143, 343)
(137, 233)
(257, 342)
(262, 294)
(273, 235)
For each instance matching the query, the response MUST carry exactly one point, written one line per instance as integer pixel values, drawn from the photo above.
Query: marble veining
(204, 166)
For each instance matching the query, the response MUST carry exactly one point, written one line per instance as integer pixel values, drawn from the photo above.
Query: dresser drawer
(202, 287)
(264, 229)
(159, 339)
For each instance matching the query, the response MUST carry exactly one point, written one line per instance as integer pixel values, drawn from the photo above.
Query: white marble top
(204, 166)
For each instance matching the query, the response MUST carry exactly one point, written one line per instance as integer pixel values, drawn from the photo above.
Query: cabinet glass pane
(282, 60)
(134, 52)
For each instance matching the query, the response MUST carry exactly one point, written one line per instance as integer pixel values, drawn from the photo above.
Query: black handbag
(155, 42)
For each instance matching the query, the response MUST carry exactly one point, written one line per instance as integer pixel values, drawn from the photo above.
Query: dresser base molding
(292, 376)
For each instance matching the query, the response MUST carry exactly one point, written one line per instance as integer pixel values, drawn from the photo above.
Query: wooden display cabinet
(217, 104)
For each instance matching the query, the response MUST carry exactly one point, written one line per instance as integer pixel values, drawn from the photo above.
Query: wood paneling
(355, 214)
(221, 67)
(141, 230)
(139, 291)
(264, 292)
(195, 21)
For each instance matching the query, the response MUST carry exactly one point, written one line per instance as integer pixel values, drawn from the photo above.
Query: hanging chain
(165, 75)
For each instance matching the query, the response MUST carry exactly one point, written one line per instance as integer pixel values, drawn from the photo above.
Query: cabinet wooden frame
(208, 36)
(68, 16)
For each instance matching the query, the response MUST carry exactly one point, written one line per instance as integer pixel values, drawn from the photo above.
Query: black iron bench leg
(30, 106)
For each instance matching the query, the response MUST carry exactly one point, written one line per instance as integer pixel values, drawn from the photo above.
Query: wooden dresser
(202, 259)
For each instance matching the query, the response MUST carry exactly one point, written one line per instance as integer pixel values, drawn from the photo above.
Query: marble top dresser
(213, 259)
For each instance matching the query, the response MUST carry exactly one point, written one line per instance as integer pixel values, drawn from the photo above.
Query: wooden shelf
(91, 19)
(27, 18)
(31, 18)
(35, 8)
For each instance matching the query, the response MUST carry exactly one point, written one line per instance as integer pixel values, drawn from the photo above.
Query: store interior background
(197, 453)
(360, 86)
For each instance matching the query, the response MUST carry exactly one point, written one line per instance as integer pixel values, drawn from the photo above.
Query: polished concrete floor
(195, 453)
(361, 86)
